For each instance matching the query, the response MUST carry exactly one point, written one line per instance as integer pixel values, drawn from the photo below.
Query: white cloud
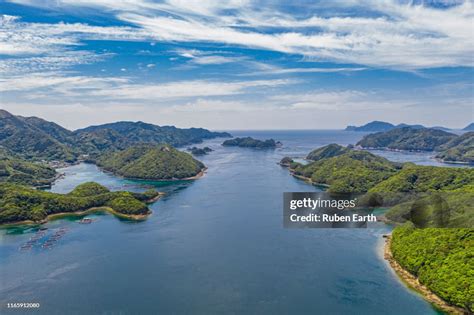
(55, 86)
(56, 81)
(206, 105)
(22, 38)
(273, 70)
(183, 89)
(395, 35)
(200, 57)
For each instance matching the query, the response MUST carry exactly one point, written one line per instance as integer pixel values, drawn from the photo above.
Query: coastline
(412, 282)
(418, 151)
(198, 175)
(133, 217)
(308, 180)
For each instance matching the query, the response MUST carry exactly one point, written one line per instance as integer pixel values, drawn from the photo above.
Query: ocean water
(214, 245)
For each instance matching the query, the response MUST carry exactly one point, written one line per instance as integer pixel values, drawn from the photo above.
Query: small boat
(25, 247)
(85, 221)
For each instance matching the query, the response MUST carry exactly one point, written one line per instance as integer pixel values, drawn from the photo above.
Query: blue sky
(238, 64)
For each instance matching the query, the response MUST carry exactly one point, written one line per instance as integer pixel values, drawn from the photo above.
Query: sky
(227, 65)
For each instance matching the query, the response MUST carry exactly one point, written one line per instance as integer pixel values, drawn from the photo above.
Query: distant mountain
(460, 149)
(469, 127)
(372, 126)
(402, 125)
(376, 126)
(407, 138)
(152, 162)
(37, 139)
(440, 128)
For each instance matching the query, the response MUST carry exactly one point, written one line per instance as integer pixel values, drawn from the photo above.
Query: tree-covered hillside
(354, 171)
(459, 149)
(442, 259)
(29, 141)
(407, 138)
(124, 134)
(16, 170)
(37, 139)
(160, 162)
(19, 203)
(327, 151)
(417, 178)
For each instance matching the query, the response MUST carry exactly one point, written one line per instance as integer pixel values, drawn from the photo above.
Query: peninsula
(344, 170)
(28, 205)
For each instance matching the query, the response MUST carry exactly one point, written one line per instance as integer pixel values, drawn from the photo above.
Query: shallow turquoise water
(215, 245)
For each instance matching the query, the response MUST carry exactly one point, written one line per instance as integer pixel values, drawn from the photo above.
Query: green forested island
(22, 203)
(249, 142)
(151, 162)
(36, 139)
(200, 151)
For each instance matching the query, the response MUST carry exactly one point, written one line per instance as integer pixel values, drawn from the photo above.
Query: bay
(214, 245)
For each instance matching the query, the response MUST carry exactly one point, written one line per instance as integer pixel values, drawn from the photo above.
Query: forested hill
(407, 138)
(21, 137)
(37, 139)
(16, 170)
(123, 134)
(151, 162)
(460, 149)
(451, 147)
(373, 126)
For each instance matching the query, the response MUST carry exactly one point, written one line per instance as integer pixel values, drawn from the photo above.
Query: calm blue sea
(212, 246)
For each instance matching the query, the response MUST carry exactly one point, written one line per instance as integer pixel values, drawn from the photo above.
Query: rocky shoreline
(413, 282)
